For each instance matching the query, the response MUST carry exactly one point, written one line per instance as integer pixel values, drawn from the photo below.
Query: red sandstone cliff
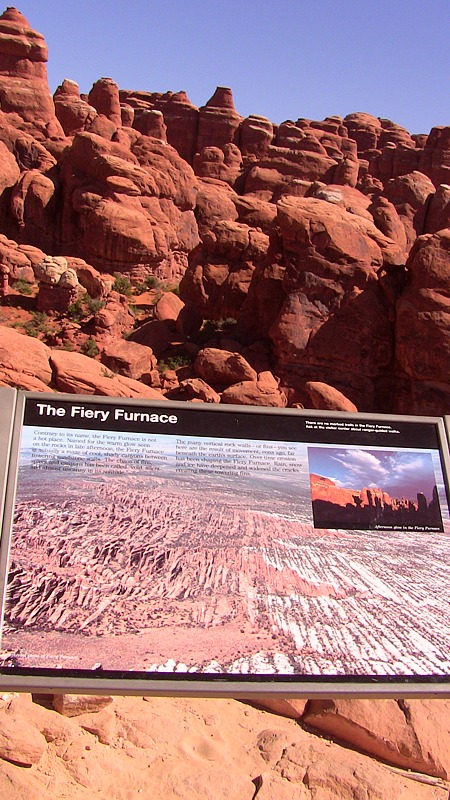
(324, 245)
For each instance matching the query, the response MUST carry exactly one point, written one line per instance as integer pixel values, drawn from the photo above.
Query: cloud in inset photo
(401, 473)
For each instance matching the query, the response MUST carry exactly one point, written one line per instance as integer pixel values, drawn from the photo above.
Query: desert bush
(90, 348)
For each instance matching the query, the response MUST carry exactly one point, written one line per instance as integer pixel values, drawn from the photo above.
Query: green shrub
(75, 311)
(23, 287)
(122, 285)
(207, 331)
(38, 324)
(94, 304)
(107, 373)
(174, 362)
(225, 324)
(151, 282)
(89, 348)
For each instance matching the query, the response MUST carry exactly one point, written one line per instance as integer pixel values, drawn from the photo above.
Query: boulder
(155, 333)
(220, 163)
(351, 199)
(73, 705)
(333, 324)
(98, 286)
(438, 210)
(33, 206)
(15, 260)
(197, 389)
(388, 221)
(128, 358)
(327, 397)
(364, 129)
(434, 159)
(20, 742)
(254, 393)
(169, 306)
(280, 165)
(222, 368)
(58, 284)
(409, 194)
(254, 212)
(9, 169)
(113, 319)
(20, 380)
(151, 123)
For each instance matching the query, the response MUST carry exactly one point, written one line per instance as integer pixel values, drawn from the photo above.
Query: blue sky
(286, 60)
(402, 473)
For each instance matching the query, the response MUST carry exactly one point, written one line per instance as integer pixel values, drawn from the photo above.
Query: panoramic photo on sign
(178, 541)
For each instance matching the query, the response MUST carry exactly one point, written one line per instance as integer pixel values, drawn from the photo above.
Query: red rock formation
(434, 160)
(223, 163)
(78, 374)
(325, 489)
(256, 136)
(220, 271)
(104, 97)
(215, 201)
(218, 122)
(58, 284)
(25, 356)
(383, 729)
(409, 194)
(73, 113)
(438, 210)
(180, 117)
(151, 123)
(364, 129)
(321, 289)
(262, 745)
(24, 92)
(128, 210)
(332, 301)
(423, 324)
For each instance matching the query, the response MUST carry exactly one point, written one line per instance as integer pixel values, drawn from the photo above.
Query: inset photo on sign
(356, 488)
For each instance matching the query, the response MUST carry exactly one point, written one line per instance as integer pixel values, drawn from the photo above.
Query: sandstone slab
(24, 355)
(79, 374)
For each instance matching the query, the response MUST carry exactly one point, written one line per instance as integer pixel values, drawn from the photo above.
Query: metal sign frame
(193, 549)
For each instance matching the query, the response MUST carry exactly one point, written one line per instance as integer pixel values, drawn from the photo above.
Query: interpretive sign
(166, 548)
